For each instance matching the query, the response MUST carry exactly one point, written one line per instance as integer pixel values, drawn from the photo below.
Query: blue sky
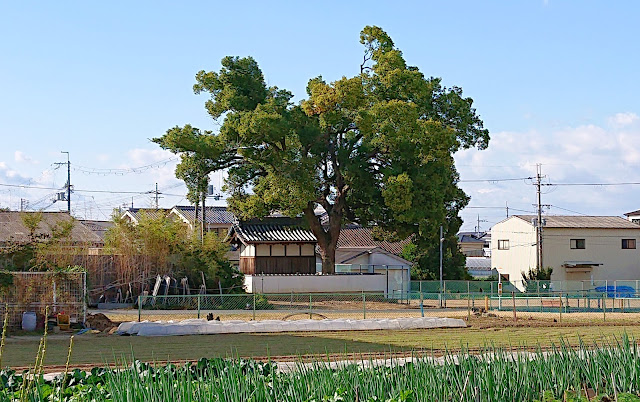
(555, 82)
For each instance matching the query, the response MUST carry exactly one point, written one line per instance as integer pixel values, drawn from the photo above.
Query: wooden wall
(278, 265)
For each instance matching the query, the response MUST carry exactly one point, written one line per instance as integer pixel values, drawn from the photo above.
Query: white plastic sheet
(202, 327)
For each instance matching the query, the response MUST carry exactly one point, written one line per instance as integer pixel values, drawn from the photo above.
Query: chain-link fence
(35, 291)
(574, 308)
(288, 306)
(493, 288)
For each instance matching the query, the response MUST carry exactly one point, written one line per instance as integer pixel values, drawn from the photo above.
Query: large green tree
(194, 171)
(375, 148)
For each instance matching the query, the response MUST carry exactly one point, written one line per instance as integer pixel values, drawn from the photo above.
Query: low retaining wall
(266, 284)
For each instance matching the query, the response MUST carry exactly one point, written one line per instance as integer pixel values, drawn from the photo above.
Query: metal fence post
(199, 305)
(139, 307)
(421, 304)
(254, 307)
(468, 307)
(364, 306)
(310, 307)
(604, 307)
(84, 297)
(560, 297)
(444, 292)
(513, 299)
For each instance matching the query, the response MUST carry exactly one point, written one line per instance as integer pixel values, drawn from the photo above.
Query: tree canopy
(375, 149)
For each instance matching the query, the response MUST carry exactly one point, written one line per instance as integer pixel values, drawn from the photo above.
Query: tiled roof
(271, 232)
(632, 213)
(97, 227)
(152, 213)
(360, 237)
(12, 228)
(478, 263)
(212, 215)
(586, 222)
(471, 237)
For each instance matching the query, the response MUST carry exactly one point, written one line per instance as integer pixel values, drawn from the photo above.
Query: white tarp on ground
(202, 327)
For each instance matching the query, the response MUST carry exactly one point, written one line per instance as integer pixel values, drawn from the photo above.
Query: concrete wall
(314, 283)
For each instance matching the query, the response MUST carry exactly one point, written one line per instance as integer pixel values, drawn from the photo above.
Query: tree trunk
(327, 239)
(328, 260)
(197, 211)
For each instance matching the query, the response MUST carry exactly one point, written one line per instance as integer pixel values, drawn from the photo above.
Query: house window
(628, 244)
(503, 244)
(636, 221)
(578, 244)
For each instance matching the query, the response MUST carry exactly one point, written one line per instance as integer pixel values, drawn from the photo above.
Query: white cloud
(21, 157)
(580, 154)
(623, 119)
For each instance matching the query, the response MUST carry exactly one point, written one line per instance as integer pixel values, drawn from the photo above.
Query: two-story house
(578, 248)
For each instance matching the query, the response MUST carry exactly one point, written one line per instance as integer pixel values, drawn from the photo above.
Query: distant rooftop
(152, 213)
(212, 215)
(97, 227)
(479, 263)
(353, 236)
(471, 237)
(12, 228)
(587, 222)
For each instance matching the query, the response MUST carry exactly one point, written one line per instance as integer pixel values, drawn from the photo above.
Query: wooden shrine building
(274, 246)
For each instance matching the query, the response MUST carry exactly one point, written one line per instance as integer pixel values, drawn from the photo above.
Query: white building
(578, 248)
(633, 216)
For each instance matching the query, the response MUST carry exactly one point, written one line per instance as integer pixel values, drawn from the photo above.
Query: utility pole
(478, 227)
(156, 193)
(204, 214)
(506, 205)
(539, 262)
(68, 185)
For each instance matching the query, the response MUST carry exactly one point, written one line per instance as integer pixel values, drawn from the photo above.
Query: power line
(630, 183)
(123, 171)
(505, 207)
(494, 180)
(76, 190)
(568, 210)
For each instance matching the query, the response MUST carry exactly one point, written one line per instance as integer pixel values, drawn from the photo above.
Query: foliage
(168, 246)
(209, 256)
(156, 237)
(560, 373)
(374, 149)
(49, 250)
(535, 274)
